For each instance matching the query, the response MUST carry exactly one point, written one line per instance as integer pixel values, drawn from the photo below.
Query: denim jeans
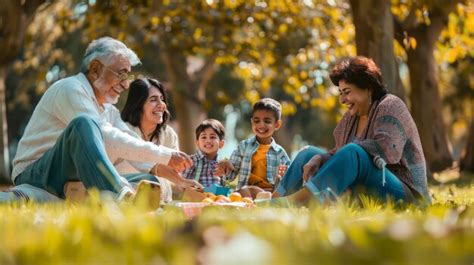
(137, 177)
(79, 154)
(26, 192)
(350, 167)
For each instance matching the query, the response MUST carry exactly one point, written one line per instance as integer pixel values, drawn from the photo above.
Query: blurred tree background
(217, 57)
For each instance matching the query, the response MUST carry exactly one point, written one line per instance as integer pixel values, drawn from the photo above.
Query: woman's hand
(170, 174)
(190, 183)
(312, 167)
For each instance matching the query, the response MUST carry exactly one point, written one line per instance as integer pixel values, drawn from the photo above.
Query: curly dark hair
(137, 95)
(361, 72)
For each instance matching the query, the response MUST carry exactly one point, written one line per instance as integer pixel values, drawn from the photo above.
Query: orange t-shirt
(258, 173)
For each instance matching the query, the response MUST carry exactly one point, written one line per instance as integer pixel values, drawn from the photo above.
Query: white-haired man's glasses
(121, 76)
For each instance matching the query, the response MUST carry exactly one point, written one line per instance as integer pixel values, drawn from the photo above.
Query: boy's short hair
(211, 123)
(268, 104)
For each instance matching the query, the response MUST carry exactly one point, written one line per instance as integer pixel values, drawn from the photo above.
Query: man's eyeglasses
(121, 76)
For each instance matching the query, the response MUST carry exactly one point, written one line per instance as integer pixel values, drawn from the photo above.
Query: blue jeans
(79, 154)
(26, 192)
(137, 177)
(350, 167)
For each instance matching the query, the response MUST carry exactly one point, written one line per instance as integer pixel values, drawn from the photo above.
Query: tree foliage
(274, 46)
(418, 26)
(210, 54)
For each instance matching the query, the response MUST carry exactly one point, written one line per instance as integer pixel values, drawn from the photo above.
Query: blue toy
(217, 189)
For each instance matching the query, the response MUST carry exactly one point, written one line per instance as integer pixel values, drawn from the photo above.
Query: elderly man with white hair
(72, 137)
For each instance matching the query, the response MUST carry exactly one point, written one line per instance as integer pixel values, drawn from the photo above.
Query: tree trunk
(15, 16)
(425, 99)
(4, 154)
(189, 114)
(374, 38)
(467, 161)
(187, 98)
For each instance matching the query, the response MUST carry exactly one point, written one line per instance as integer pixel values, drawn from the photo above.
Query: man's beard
(111, 99)
(100, 84)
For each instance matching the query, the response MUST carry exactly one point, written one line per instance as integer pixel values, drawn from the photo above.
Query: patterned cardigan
(391, 134)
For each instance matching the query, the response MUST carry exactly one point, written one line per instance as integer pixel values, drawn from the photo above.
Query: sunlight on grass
(345, 233)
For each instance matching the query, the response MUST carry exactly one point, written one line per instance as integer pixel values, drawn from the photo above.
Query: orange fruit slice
(235, 197)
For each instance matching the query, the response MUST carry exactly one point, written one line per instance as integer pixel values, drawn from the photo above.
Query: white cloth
(64, 101)
(168, 138)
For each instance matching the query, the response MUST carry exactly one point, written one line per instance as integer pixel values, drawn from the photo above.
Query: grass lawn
(99, 232)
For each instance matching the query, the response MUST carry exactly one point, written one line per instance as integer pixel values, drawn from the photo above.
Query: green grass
(106, 233)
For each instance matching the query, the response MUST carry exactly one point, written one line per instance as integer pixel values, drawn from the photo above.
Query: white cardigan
(168, 138)
(65, 100)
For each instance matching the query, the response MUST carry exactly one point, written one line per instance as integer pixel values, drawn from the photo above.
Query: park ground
(100, 232)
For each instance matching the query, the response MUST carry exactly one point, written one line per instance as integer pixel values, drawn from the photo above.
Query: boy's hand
(180, 161)
(224, 167)
(312, 167)
(250, 191)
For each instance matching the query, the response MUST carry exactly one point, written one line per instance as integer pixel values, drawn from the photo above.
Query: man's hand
(224, 167)
(166, 172)
(180, 161)
(312, 167)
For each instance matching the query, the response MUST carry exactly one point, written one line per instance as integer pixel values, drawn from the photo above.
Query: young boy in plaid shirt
(259, 160)
(209, 139)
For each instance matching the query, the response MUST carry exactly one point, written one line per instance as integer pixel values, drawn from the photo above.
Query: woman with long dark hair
(146, 113)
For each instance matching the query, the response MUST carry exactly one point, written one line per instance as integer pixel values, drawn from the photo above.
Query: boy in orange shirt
(258, 161)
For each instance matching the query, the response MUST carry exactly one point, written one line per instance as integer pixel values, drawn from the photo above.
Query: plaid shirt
(202, 170)
(241, 159)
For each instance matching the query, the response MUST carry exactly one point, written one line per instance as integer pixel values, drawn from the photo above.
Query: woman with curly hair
(378, 149)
